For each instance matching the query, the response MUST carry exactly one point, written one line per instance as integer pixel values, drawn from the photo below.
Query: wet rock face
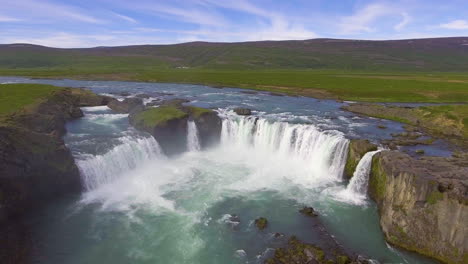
(261, 223)
(308, 211)
(356, 150)
(298, 252)
(243, 111)
(35, 165)
(209, 128)
(423, 203)
(125, 106)
(168, 124)
(172, 136)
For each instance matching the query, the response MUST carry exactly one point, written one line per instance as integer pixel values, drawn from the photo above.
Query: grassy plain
(420, 70)
(334, 84)
(16, 96)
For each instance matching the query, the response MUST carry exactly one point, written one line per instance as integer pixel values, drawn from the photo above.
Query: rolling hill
(416, 70)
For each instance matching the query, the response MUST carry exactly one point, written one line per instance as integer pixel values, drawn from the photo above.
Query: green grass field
(422, 70)
(13, 97)
(155, 116)
(334, 84)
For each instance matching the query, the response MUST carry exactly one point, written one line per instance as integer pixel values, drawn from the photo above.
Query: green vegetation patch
(159, 115)
(14, 97)
(434, 197)
(453, 117)
(198, 111)
(377, 181)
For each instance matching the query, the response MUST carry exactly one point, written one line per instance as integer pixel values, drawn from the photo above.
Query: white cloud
(405, 20)
(278, 27)
(49, 10)
(188, 14)
(363, 21)
(8, 19)
(126, 18)
(456, 25)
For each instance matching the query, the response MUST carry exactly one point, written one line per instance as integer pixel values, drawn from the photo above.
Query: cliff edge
(423, 203)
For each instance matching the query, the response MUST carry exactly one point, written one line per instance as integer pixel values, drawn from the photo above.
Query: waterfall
(360, 180)
(356, 192)
(324, 152)
(97, 170)
(193, 142)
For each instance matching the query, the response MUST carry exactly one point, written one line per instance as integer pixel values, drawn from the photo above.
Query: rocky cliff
(35, 165)
(168, 125)
(356, 150)
(423, 203)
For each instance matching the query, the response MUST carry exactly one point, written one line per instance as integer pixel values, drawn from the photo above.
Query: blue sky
(88, 23)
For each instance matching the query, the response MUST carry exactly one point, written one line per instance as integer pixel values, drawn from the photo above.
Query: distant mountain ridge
(434, 54)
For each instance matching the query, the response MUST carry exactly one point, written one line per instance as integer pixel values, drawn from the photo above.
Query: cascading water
(356, 191)
(323, 153)
(193, 142)
(97, 170)
(142, 207)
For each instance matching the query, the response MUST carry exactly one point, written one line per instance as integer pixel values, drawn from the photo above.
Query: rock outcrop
(208, 125)
(356, 150)
(298, 252)
(35, 165)
(423, 203)
(168, 125)
(125, 106)
(243, 111)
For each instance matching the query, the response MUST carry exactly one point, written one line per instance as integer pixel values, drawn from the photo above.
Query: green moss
(377, 180)
(158, 116)
(351, 163)
(434, 197)
(261, 223)
(198, 111)
(14, 97)
(342, 260)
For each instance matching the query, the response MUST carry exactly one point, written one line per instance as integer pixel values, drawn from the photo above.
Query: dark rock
(83, 97)
(243, 111)
(343, 259)
(121, 93)
(35, 165)
(126, 105)
(178, 102)
(261, 223)
(419, 151)
(170, 131)
(143, 96)
(249, 92)
(381, 126)
(209, 126)
(308, 211)
(154, 102)
(423, 203)
(234, 218)
(276, 94)
(356, 150)
(298, 252)
(278, 235)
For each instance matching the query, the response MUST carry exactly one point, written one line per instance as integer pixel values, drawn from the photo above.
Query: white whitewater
(356, 191)
(322, 153)
(97, 170)
(193, 142)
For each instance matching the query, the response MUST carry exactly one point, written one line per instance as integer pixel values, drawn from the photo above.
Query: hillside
(440, 54)
(420, 70)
